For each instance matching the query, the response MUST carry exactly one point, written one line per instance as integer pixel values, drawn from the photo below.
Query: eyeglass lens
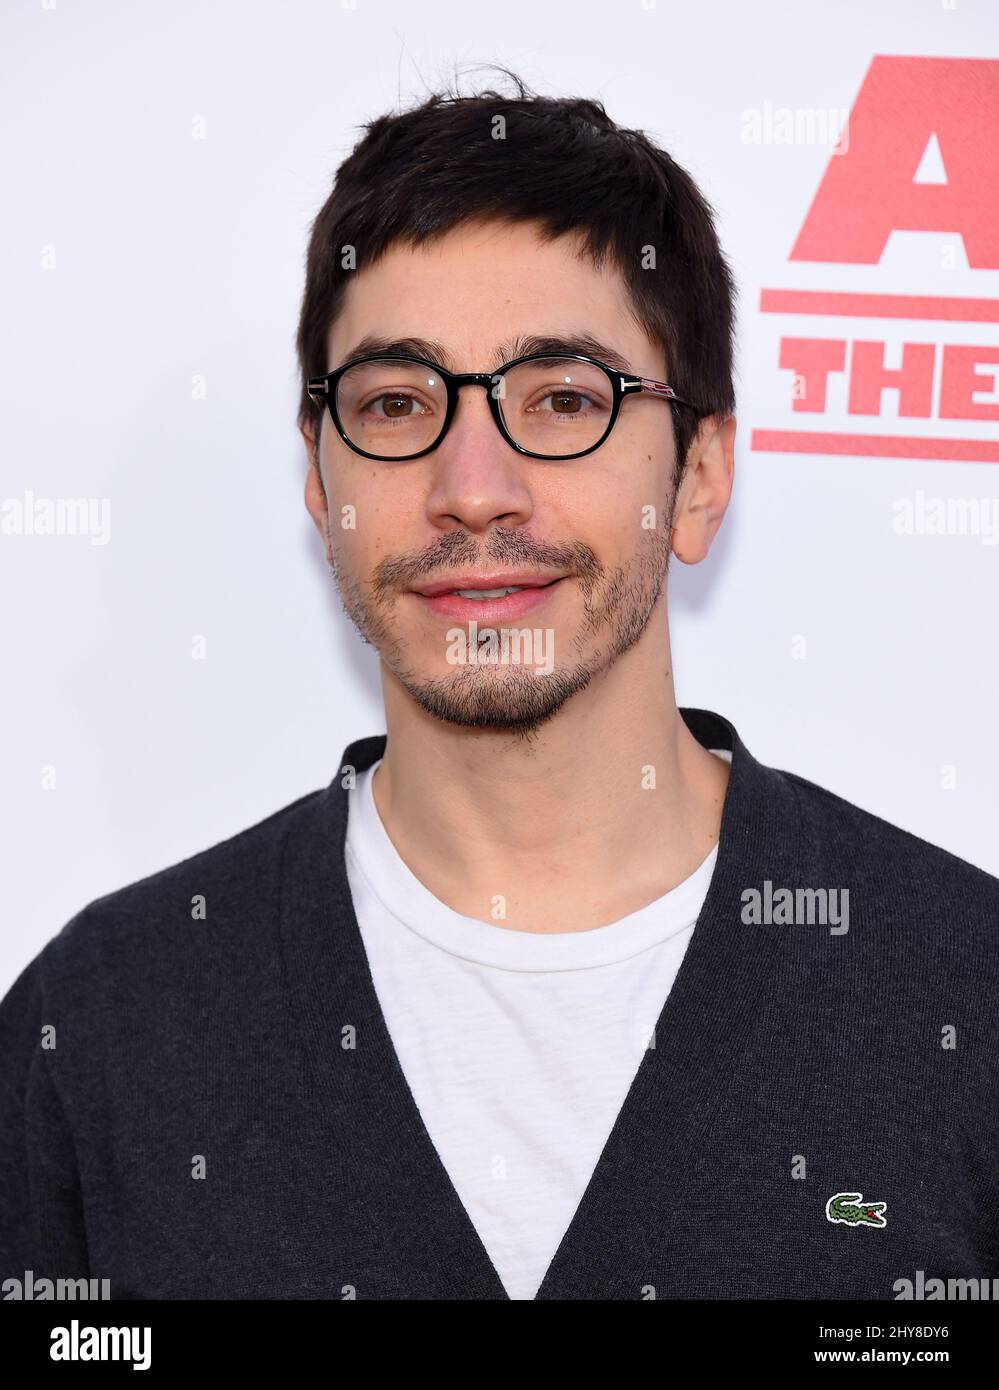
(551, 406)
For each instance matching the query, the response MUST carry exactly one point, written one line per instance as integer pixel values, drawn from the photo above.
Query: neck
(565, 830)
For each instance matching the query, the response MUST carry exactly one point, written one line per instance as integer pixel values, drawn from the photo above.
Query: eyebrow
(523, 345)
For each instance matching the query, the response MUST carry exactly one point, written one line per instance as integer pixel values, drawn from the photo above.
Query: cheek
(614, 505)
(643, 444)
(357, 505)
(370, 516)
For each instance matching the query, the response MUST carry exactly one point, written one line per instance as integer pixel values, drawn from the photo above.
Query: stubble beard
(512, 699)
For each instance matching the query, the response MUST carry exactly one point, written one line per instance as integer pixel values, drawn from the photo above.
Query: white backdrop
(161, 164)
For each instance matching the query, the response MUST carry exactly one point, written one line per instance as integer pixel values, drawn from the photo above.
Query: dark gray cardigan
(791, 1064)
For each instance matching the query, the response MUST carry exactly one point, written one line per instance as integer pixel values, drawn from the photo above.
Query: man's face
(476, 509)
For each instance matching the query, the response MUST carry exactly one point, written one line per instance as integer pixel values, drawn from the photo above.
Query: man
(555, 991)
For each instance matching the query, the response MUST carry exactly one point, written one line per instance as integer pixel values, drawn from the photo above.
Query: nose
(477, 477)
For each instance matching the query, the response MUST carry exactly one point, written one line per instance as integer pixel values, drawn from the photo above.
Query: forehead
(483, 285)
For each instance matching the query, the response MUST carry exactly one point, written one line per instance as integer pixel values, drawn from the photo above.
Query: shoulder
(156, 928)
(907, 875)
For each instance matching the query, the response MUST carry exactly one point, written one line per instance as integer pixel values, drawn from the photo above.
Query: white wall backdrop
(160, 166)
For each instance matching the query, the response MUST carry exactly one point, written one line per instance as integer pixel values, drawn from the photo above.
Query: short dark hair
(564, 164)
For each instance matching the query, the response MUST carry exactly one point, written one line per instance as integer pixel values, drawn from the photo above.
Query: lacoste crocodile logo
(850, 1209)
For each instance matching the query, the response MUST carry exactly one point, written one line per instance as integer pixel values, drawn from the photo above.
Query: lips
(521, 579)
(533, 592)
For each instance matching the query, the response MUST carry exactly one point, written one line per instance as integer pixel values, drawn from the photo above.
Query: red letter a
(868, 192)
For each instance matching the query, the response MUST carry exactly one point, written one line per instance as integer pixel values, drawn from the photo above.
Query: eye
(566, 401)
(396, 405)
(556, 389)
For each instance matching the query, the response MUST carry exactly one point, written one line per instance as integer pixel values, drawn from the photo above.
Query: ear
(705, 488)
(316, 502)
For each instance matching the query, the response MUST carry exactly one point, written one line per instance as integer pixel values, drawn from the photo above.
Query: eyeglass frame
(623, 384)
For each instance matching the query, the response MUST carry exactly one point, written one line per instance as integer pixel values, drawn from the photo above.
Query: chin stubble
(508, 699)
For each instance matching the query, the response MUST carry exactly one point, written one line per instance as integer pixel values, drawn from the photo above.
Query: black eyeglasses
(544, 406)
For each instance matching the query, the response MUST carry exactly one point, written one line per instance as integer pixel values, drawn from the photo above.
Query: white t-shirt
(518, 1048)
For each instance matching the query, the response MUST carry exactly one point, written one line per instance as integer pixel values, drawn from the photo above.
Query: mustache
(460, 548)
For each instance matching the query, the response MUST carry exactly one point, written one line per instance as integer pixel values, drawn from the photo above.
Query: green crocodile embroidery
(851, 1209)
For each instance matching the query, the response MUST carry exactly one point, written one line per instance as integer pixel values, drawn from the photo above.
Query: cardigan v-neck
(518, 1046)
(224, 1115)
(679, 1082)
